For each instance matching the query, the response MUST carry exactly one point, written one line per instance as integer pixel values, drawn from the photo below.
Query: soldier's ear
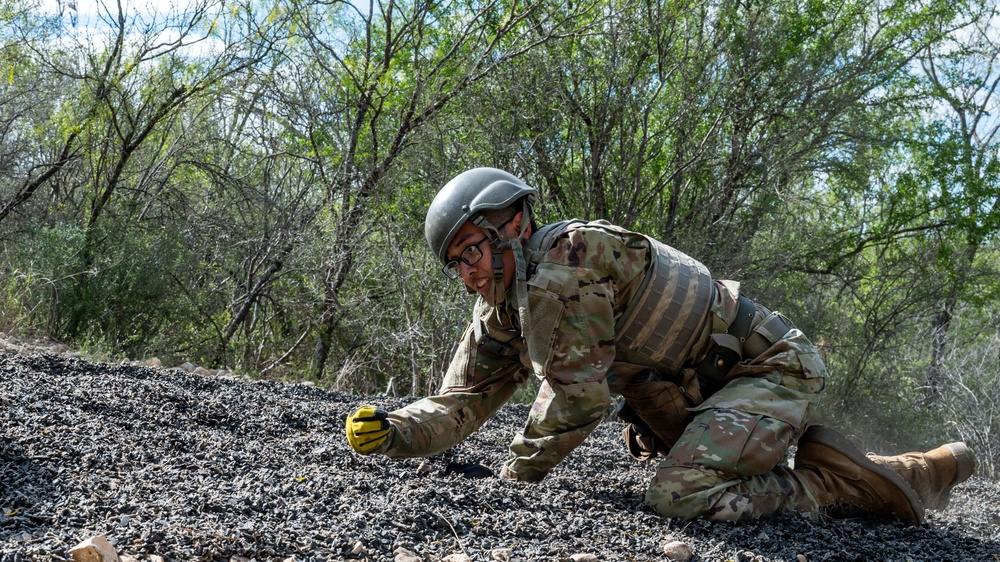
(516, 222)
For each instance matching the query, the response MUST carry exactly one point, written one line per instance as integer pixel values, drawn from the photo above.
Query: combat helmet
(464, 198)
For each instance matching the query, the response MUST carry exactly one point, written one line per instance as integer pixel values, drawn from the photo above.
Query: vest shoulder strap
(545, 237)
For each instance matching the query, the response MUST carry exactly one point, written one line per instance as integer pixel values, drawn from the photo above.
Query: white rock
(501, 554)
(153, 362)
(678, 551)
(204, 372)
(186, 366)
(358, 548)
(95, 549)
(403, 555)
(584, 557)
(457, 557)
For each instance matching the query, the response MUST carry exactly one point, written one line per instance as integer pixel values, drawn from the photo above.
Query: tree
(383, 74)
(31, 147)
(123, 82)
(961, 152)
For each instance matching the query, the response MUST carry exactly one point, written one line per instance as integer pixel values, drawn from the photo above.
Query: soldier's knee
(684, 490)
(666, 504)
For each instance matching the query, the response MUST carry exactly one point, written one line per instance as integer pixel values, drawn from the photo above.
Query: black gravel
(189, 467)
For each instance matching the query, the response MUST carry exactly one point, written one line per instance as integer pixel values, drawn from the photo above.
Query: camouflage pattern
(729, 463)
(726, 449)
(662, 323)
(574, 295)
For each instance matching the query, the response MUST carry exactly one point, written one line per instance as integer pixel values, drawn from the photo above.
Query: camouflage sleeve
(437, 423)
(482, 376)
(572, 345)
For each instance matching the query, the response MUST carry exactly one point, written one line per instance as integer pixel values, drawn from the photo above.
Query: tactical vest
(663, 321)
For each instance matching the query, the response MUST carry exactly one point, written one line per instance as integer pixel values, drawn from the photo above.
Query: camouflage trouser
(726, 465)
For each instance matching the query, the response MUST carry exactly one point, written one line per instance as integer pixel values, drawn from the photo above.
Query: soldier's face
(479, 276)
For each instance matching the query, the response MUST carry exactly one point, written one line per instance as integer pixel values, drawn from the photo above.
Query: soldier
(717, 385)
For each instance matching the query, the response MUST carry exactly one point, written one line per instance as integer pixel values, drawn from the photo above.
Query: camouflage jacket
(576, 291)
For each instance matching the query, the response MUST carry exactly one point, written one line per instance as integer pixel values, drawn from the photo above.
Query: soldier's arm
(483, 375)
(572, 344)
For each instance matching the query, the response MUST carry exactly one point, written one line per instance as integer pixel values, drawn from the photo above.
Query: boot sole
(834, 440)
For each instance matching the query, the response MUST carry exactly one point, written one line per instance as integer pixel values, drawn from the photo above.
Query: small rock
(358, 548)
(500, 554)
(800, 558)
(403, 555)
(426, 467)
(204, 372)
(187, 367)
(678, 551)
(153, 362)
(96, 549)
(457, 557)
(584, 557)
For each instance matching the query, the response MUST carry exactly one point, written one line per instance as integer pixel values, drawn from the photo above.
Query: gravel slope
(188, 467)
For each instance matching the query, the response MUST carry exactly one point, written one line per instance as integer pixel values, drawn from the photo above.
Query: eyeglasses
(469, 256)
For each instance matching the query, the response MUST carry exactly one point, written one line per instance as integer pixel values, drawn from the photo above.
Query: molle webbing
(669, 311)
(667, 315)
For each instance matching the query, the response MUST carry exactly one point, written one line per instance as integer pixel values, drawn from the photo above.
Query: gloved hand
(367, 428)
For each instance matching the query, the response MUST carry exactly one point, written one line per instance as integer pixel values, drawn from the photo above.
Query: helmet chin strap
(521, 284)
(497, 290)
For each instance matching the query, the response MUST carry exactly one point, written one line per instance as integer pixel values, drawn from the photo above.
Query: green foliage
(258, 203)
(22, 301)
(117, 295)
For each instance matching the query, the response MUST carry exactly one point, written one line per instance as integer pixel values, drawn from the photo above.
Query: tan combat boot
(933, 474)
(845, 483)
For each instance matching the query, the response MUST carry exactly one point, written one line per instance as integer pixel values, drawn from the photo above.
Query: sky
(87, 20)
(87, 12)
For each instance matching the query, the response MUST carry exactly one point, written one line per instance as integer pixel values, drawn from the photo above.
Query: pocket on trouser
(719, 451)
(734, 443)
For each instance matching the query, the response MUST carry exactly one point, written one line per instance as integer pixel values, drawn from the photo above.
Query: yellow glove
(367, 428)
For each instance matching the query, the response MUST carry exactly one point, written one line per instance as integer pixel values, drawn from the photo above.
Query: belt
(743, 338)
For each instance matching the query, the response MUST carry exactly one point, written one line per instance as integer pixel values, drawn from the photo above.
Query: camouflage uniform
(725, 450)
